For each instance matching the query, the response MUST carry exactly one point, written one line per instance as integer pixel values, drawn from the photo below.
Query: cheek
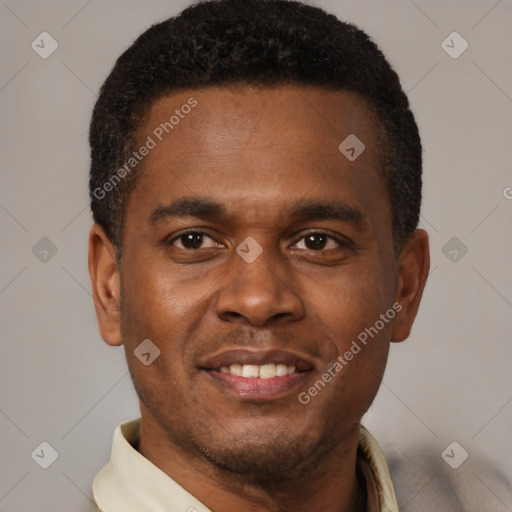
(166, 310)
(153, 300)
(362, 339)
(151, 310)
(350, 310)
(351, 302)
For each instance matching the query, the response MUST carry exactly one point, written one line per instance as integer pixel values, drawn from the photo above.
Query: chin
(263, 457)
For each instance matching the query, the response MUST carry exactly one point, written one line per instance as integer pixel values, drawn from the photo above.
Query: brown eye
(193, 240)
(318, 242)
(315, 241)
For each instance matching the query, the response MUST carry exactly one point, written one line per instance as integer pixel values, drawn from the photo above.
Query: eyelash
(342, 244)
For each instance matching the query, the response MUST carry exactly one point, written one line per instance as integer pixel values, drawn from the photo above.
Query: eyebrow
(326, 210)
(208, 209)
(202, 208)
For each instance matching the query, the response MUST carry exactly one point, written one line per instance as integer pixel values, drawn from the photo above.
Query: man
(255, 185)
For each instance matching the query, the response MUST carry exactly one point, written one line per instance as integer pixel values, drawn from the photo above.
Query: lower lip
(257, 388)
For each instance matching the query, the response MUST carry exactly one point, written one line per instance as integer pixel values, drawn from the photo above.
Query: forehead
(251, 146)
(251, 116)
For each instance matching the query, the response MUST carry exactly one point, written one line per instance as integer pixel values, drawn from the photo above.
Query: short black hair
(250, 42)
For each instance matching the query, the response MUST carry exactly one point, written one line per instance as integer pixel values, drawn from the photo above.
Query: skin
(257, 151)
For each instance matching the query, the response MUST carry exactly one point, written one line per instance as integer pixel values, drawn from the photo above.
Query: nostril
(230, 316)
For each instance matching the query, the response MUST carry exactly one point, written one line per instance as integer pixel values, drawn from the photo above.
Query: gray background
(451, 381)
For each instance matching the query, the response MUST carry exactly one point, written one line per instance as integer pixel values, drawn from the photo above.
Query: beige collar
(131, 483)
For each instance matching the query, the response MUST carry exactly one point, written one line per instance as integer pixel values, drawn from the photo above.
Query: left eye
(193, 240)
(317, 242)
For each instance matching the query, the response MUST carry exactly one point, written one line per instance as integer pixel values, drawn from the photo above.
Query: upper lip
(257, 357)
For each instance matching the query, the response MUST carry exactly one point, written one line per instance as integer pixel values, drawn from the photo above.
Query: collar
(131, 483)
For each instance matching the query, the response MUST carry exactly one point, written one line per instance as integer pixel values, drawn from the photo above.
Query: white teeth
(236, 369)
(265, 371)
(282, 370)
(250, 370)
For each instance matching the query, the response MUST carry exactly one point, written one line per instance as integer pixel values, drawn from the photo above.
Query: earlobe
(106, 286)
(414, 264)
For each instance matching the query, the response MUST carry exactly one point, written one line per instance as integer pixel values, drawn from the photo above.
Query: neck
(327, 482)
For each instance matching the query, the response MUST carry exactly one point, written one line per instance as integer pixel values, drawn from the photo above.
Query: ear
(414, 265)
(105, 282)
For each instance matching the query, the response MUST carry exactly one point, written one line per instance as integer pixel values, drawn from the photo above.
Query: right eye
(193, 240)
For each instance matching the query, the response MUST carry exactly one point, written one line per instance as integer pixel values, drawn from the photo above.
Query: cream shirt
(131, 483)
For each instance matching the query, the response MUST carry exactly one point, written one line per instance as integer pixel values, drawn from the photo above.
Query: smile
(255, 371)
(258, 375)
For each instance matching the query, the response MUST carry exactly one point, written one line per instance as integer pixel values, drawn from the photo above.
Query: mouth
(255, 371)
(257, 375)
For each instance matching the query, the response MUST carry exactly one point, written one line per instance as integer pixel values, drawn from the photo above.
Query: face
(255, 254)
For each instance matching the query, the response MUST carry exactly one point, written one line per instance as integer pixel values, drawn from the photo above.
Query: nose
(258, 293)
